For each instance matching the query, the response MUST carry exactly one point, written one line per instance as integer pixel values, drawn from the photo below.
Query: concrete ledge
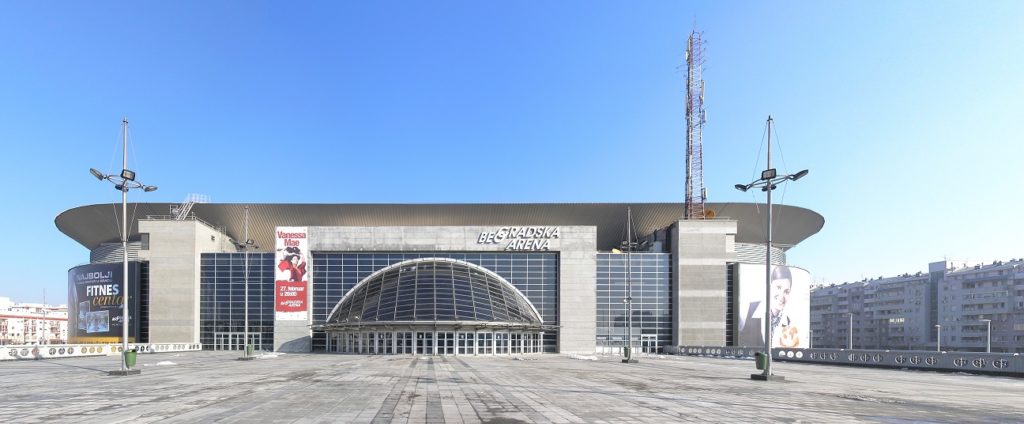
(762, 377)
(123, 373)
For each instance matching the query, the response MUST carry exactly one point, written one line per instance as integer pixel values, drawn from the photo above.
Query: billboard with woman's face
(789, 306)
(96, 299)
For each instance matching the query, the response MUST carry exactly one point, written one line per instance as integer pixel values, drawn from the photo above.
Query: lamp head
(128, 174)
(742, 187)
(99, 175)
(798, 175)
(148, 188)
(768, 174)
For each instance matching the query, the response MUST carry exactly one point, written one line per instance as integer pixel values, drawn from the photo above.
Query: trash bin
(626, 352)
(248, 350)
(129, 358)
(760, 358)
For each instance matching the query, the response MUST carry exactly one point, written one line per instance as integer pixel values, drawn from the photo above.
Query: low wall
(717, 351)
(22, 352)
(1011, 364)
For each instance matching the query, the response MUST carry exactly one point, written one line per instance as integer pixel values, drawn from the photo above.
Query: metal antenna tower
(696, 195)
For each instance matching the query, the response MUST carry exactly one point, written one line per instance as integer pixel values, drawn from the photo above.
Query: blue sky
(907, 114)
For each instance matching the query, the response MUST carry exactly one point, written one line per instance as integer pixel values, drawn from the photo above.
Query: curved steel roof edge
(91, 225)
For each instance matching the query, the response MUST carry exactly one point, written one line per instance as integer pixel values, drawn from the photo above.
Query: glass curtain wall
(222, 300)
(222, 288)
(652, 307)
(144, 302)
(730, 309)
(534, 274)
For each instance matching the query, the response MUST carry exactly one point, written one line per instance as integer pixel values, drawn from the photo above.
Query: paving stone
(324, 388)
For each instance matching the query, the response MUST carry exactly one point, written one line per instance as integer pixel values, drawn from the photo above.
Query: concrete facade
(702, 249)
(577, 273)
(685, 292)
(173, 256)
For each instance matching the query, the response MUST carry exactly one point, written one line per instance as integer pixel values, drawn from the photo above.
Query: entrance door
(501, 343)
(403, 343)
(649, 343)
(385, 343)
(351, 344)
(461, 343)
(367, 343)
(446, 343)
(424, 343)
(235, 341)
(485, 343)
(442, 339)
(256, 340)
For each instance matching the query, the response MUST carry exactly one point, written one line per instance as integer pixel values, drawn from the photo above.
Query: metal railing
(1011, 364)
(33, 352)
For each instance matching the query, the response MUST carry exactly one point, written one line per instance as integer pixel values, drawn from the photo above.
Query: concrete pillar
(701, 250)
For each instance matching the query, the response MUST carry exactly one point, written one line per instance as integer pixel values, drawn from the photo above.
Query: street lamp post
(988, 336)
(906, 337)
(850, 314)
(768, 182)
(629, 287)
(246, 245)
(124, 182)
(938, 337)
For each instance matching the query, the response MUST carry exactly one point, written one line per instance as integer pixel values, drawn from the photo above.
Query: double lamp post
(768, 182)
(124, 182)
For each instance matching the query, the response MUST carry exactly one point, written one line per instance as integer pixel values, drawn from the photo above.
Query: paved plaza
(314, 388)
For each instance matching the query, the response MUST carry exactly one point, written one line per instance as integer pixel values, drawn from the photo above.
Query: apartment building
(956, 301)
(32, 323)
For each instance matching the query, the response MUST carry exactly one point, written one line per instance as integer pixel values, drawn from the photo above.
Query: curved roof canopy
(95, 224)
(429, 290)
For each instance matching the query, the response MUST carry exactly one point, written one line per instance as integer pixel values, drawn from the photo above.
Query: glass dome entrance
(434, 290)
(434, 306)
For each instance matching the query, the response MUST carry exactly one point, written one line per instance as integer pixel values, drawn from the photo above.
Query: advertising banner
(790, 306)
(95, 299)
(291, 281)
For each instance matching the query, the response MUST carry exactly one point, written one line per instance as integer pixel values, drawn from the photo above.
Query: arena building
(434, 278)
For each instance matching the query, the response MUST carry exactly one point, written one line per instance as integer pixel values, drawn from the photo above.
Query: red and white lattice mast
(696, 195)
